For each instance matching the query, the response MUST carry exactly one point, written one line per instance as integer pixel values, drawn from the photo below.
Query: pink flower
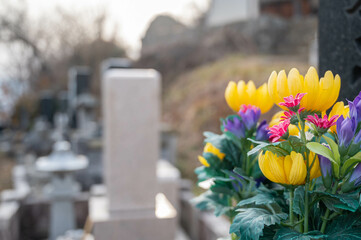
(289, 114)
(279, 131)
(324, 122)
(245, 107)
(292, 102)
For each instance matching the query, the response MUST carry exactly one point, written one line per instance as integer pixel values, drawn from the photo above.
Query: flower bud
(250, 115)
(235, 126)
(346, 128)
(262, 131)
(326, 171)
(354, 181)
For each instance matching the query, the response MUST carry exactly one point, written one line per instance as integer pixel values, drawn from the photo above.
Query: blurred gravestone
(47, 106)
(132, 209)
(115, 63)
(79, 84)
(340, 43)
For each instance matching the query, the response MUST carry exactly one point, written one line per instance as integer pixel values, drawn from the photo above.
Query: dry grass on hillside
(195, 102)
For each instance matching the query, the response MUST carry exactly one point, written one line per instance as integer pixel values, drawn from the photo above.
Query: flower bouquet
(298, 177)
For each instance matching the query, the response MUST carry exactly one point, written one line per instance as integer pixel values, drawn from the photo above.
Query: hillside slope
(195, 102)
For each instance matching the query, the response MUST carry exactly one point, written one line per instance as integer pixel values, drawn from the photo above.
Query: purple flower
(346, 128)
(356, 176)
(262, 132)
(326, 167)
(326, 171)
(355, 108)
(354, 181)
(357, 138)
(235, 126)
(250, 115)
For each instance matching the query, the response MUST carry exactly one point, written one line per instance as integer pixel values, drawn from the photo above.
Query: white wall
(222, 12)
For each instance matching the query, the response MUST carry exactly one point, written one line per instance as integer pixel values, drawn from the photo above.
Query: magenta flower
(291, 102)
(279, 131)
(322, 123)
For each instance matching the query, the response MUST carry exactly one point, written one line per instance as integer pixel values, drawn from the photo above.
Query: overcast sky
(132, 16)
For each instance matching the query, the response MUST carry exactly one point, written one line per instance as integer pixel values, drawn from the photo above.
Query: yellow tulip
(209, 148)
(242, 93)
(338, 109)
(321, 94)
(290, 170)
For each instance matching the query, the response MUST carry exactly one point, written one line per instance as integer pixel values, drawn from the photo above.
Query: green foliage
(250, 222)
(337, 202)
(290, 234)
(334, 157)
(213, 201)
(345, 227)
(280, 148)
(264, 196)
(350, 163)
(299, 201)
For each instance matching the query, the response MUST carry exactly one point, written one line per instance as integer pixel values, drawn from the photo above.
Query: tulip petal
(272, 88)
(203, 161)
(242, 94)
(263, 162)
(282, 86)
(311, 87)
(209, 148)
(299, 171)
(316, 169)
(295, 82)
(251, 92)
(232, 96)
(263, 100)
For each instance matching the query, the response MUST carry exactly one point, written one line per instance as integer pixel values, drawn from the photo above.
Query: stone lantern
(61, 163)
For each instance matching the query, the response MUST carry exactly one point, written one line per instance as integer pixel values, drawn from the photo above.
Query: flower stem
(307, 186)
(327, 214)
(292, 190)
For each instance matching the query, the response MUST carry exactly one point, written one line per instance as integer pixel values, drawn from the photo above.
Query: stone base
(161, 226)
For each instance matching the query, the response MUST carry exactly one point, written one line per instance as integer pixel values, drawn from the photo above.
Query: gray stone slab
(340, 43)
(131, 138)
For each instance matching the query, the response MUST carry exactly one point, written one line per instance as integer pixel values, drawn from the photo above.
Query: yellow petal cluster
(209, 148)
(290, 170)
(240, 93)
(339, 109)
(321, 93)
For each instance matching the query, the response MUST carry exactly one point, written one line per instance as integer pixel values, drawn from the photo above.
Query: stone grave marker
(340, 43)
(132, 209)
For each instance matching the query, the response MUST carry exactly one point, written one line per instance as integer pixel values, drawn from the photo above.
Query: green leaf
(299, 201)
(262, 198)
(250, 222)
(290, 234)
(334, 148)
(324, 151)
(350, 163)
(213, 201)
(345, 227)
(335, 202)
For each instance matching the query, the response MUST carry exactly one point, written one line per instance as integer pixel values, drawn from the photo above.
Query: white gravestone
(132, 209)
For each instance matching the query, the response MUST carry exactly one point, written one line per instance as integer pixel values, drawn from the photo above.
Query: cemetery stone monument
(340, 43)
(131, 209)
(61, 163)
